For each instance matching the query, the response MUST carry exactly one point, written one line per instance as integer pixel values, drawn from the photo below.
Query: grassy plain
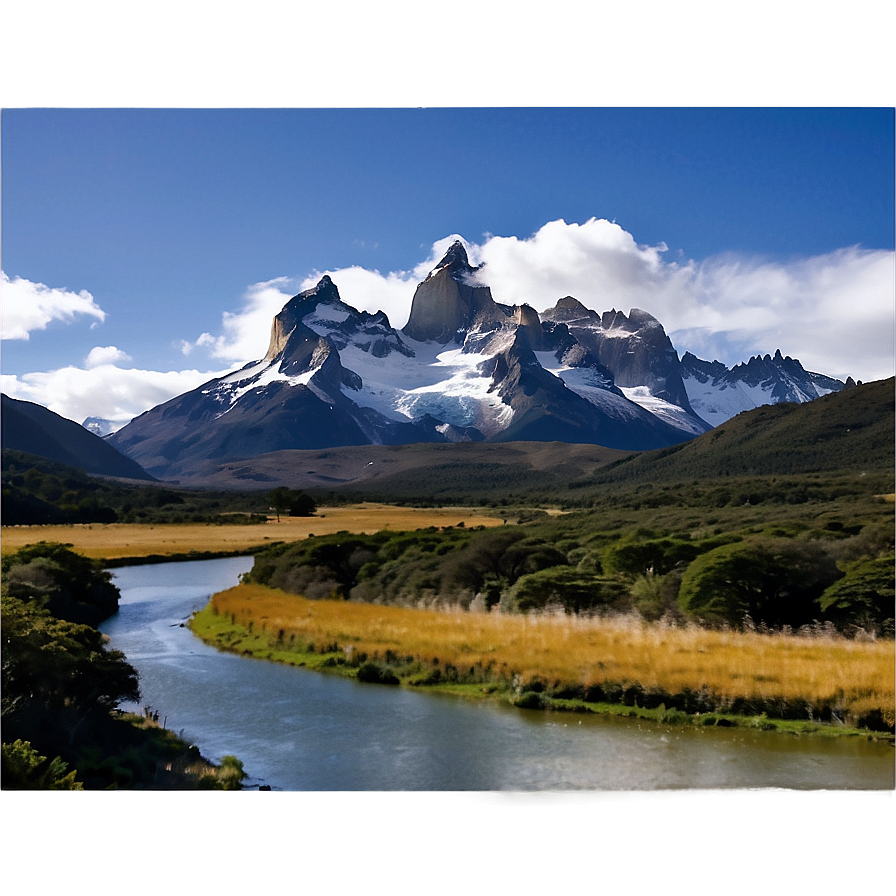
(853, 678)
(114, 541)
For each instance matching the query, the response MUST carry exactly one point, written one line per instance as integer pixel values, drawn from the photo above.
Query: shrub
(375, 674)
(864, 594)
(574, 590)
(775, 581)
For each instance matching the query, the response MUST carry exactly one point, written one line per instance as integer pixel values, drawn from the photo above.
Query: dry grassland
(856, 676)
(116, 540)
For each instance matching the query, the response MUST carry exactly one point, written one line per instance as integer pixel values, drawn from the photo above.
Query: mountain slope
(850, 432)
(37, 430)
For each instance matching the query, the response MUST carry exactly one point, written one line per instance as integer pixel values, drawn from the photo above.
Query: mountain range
(464, 368)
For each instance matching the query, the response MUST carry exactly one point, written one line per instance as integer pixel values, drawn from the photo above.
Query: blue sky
(160, 242)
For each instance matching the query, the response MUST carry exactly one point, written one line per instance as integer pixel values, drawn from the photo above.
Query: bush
(865, 593)
(375, 674)
(70, 586)
(25, 769)
(774, 581)
(574, 590)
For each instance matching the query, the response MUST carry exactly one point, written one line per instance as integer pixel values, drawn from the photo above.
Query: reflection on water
(300, 730)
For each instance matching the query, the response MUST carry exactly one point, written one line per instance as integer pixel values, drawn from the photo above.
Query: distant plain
(117, 540)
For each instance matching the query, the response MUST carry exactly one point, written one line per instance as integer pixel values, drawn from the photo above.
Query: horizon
(147, 252)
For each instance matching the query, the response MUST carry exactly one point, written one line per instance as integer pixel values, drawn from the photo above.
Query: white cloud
(372, 291)
(246, 332)
(114, 393)
(105, 354)
(31, 306)
(834, 312)
(597, 262)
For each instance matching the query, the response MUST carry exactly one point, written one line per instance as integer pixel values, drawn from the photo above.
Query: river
(303, 731)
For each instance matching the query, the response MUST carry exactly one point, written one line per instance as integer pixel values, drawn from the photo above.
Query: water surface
(300, 730)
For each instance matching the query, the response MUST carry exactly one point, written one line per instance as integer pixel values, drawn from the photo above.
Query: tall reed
(854, 676)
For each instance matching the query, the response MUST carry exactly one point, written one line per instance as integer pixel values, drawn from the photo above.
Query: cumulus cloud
(31, 306)
(102, 355)
(597, 262)
(104, 390)
(245, 333)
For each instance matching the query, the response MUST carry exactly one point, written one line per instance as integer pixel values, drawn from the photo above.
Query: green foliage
(230, 774)
(864, 595)
(294, 503)
(373, 673)
(52, 666)
(570, 588)
(636, 556)
(25, 769)
(70, 586)
(496, 559)
(656, 596)
(773, 581)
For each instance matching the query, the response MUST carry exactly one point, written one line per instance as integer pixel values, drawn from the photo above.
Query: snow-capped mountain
(717, 393)
(464, 368)
(100, 426)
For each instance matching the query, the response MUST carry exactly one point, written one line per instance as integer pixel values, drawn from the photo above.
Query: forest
(765, 552)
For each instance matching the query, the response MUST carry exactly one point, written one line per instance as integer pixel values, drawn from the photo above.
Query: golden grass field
(858, 676)
(113, 541)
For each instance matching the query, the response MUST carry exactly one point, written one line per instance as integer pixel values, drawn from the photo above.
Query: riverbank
(130, 543)
(822, 685)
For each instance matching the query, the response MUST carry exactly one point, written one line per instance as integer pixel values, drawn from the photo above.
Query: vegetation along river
(300, 730)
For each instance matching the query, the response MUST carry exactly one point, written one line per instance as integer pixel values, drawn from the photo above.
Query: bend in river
(300, 730)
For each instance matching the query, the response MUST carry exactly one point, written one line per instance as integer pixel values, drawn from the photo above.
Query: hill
(844, 432)
(37, 430)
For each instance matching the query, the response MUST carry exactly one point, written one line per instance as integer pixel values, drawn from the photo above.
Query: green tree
(574, 589)
(70, 586)
(24, 768)
(56, 674)
(301, 504)
(864, 595)
(279, 499)
(773, 580)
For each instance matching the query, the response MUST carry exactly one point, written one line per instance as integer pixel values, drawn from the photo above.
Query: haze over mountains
(464, 368)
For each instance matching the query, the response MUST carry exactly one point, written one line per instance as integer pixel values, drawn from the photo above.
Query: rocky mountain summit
(463, 368)
(717, 392)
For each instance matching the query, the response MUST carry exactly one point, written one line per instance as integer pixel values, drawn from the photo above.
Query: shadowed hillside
(36, 430)
(845, 432)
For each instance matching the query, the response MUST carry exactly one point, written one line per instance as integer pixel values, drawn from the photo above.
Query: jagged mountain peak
(569, 309)
(448, 304)
(718, 393)
(455, 263)
(463, 367)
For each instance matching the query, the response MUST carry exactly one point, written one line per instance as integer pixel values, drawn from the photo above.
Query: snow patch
(664, 410)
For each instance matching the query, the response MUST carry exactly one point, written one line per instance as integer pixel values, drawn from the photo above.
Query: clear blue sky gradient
(166, 216)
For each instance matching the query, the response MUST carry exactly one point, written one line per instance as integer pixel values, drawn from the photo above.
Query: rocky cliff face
(446, 306)
(635, 348)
